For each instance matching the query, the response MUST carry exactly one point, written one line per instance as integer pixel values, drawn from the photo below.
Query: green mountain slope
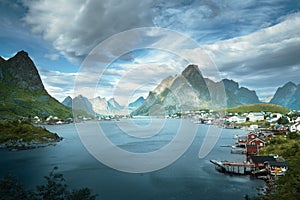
(258, 108)
(22, 93)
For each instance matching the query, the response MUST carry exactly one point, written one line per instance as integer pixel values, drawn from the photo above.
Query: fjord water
(190, 177)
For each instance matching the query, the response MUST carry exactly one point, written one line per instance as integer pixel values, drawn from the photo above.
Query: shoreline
(20, 145)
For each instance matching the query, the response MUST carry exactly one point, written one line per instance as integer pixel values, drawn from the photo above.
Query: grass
(258, 108)
(17, 102)
(13, 131)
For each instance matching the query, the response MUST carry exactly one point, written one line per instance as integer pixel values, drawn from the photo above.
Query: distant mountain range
(188, 91)
(22, 92)
(101, 106)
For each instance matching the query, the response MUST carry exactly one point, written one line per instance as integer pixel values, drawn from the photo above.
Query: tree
(54, 189)
(283, 120)
(11, 189)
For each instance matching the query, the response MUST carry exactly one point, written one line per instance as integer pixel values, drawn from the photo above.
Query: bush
(54, 189)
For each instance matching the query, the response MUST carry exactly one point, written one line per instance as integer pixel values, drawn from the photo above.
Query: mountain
(94, 106)
(67, 102)
(243, 95)
(100, 105)
(190, 90)
(22, 92)
(135, 104)
(114, 106)
(82, 103)
(288, 96)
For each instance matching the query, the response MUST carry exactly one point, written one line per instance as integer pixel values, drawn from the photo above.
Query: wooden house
(277, 168)
(260, 162)
(258, 141)
(251, 136)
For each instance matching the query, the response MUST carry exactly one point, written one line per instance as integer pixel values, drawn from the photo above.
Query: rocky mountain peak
(289, 84)
(194, 76)
(67, 101)
(191, 69)
(287, 96)
(230, 85)
(23, 72)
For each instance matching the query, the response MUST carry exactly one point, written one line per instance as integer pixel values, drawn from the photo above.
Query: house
(258, 141)
(251, 136)
(236, 119)
(255, 116)
(242, 140)
(260, 162)
(280, 127)
(274, 117)
(277, 168)
(295, 127)
(251, 149)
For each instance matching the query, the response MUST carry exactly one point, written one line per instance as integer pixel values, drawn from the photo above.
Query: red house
(258, 141)
(251, 149)
(251, 136)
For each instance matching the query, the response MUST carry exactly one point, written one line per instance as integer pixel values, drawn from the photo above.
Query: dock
(233, 167)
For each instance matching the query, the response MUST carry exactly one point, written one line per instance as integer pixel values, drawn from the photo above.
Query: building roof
(258, 138)
(262, 159)
(277, 164)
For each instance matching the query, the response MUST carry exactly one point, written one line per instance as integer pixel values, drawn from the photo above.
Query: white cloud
(268, 57)
(52, 56)
(75, 27)
(58, 84)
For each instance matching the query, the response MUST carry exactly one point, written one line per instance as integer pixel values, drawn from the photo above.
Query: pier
(234, 167)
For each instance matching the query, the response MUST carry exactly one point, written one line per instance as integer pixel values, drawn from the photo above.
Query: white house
(295, 127)
(255, 116)
(237, 119)
(274, 117)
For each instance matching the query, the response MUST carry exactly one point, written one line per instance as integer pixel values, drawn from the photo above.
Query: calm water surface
(188, 178)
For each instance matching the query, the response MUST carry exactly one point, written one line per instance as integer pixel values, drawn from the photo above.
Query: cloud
(58, 84)
(52, 56)
(266, 58)
(209, 21)
(250, 41)
(75, 27)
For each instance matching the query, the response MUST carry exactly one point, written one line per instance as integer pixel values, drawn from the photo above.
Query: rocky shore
(18, 145)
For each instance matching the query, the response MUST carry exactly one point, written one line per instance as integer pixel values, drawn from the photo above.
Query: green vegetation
(21, 131)
(55, 188)
(16, 102)
(258, 108)
(288, 186)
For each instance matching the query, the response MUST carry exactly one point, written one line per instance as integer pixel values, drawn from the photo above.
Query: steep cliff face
(197, 82)
(287, 96)
(191, 90)
(24, 73)
(22, 92)
(135, 104)
(239, 95)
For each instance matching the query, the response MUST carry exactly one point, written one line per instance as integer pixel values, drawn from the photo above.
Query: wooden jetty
(233, 167)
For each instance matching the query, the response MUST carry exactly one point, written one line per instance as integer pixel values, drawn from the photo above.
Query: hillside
(258, 108)
(22, 92)
(190, 90)
(288, 96)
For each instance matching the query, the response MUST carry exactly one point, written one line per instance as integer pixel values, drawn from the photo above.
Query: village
(263, 127)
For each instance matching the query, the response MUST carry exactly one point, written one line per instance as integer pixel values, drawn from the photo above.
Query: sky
(123, 49)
